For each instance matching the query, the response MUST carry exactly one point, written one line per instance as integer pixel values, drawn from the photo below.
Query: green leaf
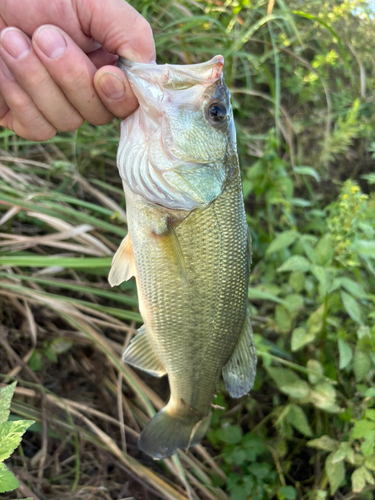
(295, 263)
(307, 171)
(283, 319)
(365, 248)
(297, 418)
(352, 307)
(282, 376)
(315, 320)
(10, 436)
(316, 371)
(6, 394)
(324, 443)
(230, 434)
(300, 337)
(8, 482)
(353, 287)
(282, 240)
(288, 492)
(324, 251)
(361, 428)
(361, 364)
(358, 479)
(345, 354)
(323, 396)
(335, 473)
(298, 390)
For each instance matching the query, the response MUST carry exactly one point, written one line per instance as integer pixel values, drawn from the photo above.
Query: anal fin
(122, 267)
(239, 373)
(142, 355)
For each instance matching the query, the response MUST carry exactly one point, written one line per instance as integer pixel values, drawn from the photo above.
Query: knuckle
(41, 135)
(71, 124)
(101, 120)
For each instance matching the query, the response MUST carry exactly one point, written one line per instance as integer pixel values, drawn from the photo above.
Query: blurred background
(301, 75)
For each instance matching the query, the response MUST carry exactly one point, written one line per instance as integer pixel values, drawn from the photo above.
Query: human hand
(56, 63)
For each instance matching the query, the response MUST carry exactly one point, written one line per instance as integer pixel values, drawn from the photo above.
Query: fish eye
(217, 112)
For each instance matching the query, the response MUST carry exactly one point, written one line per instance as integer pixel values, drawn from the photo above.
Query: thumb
(118, 27)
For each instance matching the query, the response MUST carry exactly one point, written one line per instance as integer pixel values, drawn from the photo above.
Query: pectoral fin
(142, 355)
(239, 372)
(177, 252)
(122, 267)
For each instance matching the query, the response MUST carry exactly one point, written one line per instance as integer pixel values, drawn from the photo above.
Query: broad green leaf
(320, 274)
(307, 171)
(345, 354)
(283, 318)
(294, 301)
(282, 376)
(8, 482)
(324, 251)
(315, 320)
(353, 287)
(370, 414)
(282, 240)
(257, 294)
(10, 436)
(352, 307)
(300, 337)
(365, 248)
(361, 428)
(324, 443)
(361, 364)
(323, 396)
(358, 479)
(295, 263)
(6, 394)
(370, 463)
(316, 371)
(297, 418)
(230, 434)
(288, 492)
(335, 473)
(299, 389)
(367, 447)
(297, 280)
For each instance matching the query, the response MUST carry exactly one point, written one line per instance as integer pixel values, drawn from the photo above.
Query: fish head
(186, 122)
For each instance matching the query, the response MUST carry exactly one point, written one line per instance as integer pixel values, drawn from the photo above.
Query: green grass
(306, 431)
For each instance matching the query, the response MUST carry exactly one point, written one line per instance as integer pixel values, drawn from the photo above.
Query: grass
(63, 329)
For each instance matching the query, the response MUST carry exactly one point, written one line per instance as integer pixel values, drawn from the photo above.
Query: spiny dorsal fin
(142, 355)
(122, 267)
(239, 373)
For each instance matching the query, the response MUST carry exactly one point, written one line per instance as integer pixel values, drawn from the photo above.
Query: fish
(188, 245)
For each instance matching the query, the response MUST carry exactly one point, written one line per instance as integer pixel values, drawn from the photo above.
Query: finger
(102, 57)
(22, 117)
(33, 77)
(115, 91)
(72, 71)
(118, 27)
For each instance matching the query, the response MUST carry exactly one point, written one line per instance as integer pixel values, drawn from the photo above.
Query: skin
(56, 63)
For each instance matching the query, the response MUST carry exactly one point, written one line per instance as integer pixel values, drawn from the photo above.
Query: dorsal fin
(122, 267)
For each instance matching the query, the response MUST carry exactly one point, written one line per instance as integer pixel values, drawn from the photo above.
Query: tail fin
(168, 431)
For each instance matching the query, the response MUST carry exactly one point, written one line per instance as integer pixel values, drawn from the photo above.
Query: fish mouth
(175, 76)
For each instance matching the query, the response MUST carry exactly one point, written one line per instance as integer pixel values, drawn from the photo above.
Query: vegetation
(302, 82)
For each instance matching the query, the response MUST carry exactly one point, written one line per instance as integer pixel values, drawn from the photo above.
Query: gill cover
(173, 147)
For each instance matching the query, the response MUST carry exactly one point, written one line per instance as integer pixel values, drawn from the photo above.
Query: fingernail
(15, 43)
(111, 86)
(50, 41)
(5, 70)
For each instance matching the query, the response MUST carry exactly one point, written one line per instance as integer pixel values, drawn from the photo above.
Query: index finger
(118, 27)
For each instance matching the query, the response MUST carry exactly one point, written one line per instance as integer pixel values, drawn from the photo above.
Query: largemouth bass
(188, 245)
